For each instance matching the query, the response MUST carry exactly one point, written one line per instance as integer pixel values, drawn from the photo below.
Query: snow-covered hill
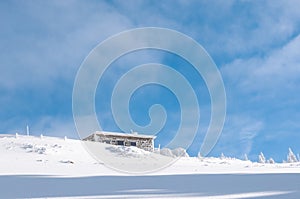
(38, 167)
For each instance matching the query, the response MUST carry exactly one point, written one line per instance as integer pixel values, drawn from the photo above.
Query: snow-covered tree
(17, 135)
(298, 155)
(246, 157)
(41, 136)
(291, 157)
(271, 161)
(199, 155)
(166, 152)
(180, 152)
(261, 158)
(27, 130)
(222, 156)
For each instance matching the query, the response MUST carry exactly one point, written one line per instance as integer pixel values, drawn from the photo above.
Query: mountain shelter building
(141, 141)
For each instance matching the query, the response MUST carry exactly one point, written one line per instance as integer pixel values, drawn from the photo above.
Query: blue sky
(255, 44)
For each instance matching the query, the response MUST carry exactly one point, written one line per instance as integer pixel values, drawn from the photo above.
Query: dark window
(113, 142)
(120, 142)
(132, 143)
(127, 143)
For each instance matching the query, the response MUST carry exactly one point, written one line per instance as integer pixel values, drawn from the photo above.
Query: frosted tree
(271, 161)
(180, 152)
(166, 152)
(222, 156)
(27, 130)
(246, 157)
(261, 158)
(291, 157)
(298, 155)
(199, 155)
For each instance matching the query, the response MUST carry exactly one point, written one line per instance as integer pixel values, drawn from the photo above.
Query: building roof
(133, 135)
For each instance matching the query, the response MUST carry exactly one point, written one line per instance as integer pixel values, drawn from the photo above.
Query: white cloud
(53, 46)
(278, 70)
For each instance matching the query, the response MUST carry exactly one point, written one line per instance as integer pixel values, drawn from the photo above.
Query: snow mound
(178, 152)
(33, 146)
(127, 151)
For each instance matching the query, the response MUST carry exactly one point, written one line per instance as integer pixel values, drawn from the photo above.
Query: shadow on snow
(20, 186)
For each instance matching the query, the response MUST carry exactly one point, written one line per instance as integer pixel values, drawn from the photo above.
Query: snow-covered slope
(46, 156)
(59, 156)
(55, 167)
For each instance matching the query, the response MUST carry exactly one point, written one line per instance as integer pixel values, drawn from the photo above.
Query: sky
(255, 45)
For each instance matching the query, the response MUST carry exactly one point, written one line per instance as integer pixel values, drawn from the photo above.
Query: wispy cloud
(238, 135)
